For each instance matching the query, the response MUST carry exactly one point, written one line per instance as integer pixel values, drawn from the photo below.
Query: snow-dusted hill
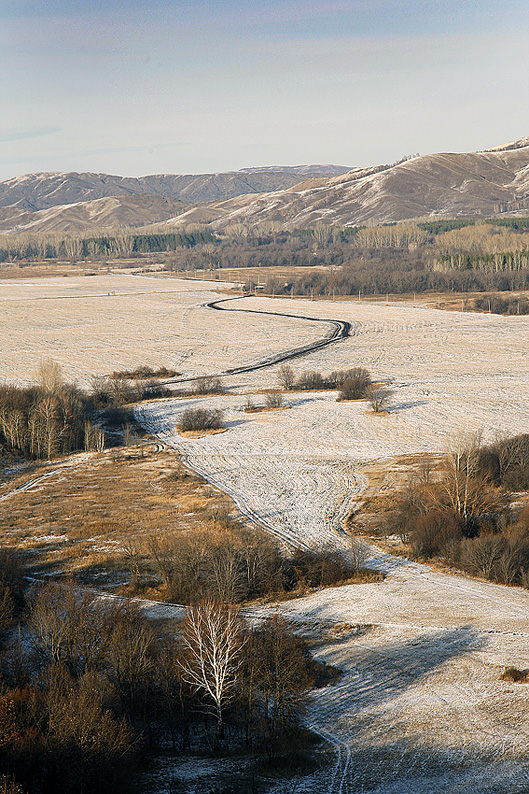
(52, 188)
(476, 184)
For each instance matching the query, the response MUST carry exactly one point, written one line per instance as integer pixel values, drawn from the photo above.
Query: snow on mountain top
(520, 143)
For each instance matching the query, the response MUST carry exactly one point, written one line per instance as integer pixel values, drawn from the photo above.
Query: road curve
(339, 329)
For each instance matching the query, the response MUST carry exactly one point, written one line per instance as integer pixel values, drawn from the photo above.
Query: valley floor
(420, 706)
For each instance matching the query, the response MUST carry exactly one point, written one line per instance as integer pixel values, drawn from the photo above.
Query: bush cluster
(208, 384)
(55, 418)
(196, 419)
(143, 372)
(230, 563)
(355, 380)
(465, 518)
(506, 462)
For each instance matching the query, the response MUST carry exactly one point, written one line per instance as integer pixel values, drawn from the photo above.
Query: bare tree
(211, 660)
(49, 376)
(200, 419)
(48, 411)
(285, 377)
(379, 398)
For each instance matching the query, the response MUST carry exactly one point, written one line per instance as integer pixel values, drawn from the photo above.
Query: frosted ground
(98, 324)
(420, 706)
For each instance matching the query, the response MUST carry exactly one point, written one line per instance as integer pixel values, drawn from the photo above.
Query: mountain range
(475, 184)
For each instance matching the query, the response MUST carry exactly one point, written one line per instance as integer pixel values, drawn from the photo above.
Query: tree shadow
(381, 674)
(405, 406)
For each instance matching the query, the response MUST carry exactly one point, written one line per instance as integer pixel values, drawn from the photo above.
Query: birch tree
(212, 643)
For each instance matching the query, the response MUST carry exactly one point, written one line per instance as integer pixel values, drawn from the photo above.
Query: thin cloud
(22, 135)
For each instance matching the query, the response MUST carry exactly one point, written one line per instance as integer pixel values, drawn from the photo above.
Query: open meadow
(420, 706)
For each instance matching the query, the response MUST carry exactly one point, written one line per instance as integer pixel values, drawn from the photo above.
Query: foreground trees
(87, 687)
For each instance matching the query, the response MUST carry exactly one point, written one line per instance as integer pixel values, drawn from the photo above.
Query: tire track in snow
(339, 329)
(31, 483)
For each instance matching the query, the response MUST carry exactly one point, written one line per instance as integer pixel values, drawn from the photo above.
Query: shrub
(200, 419)
(514, 675)
(318, 568)
(507, 462)
(208, 385)
(355, 385)
(481, 555)
(435, 532)
(379, 398)
(273, 399)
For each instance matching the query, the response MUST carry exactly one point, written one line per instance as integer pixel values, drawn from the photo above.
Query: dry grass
(514, 675)
(200, 433)
(386, 481)
(95, 519)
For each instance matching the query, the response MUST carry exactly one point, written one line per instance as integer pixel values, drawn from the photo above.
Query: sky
(196, 86)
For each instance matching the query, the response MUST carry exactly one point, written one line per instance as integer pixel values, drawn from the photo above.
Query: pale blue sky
(191, 86)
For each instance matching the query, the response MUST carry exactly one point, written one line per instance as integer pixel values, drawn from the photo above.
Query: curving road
(339, 329)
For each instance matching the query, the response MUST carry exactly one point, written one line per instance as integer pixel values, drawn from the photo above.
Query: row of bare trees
(44, 424)
(53, 417)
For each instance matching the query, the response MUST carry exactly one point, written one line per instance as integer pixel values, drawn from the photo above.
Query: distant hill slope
(50, 189)
(87, 216)
(475, 184)
(445, 185)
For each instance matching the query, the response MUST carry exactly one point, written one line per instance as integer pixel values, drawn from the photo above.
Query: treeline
(230, 563)
(25, 247)
(499, 262)
(89, 691)
(56, 418)
(449, 224)
(44, 424)
(498, 304)
(241, 246)
(464, 516)
(381, 272)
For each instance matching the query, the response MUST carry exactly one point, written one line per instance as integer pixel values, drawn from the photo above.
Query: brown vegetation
(54, 418)
(208, 384)
(462, 516)
(354, 384)
(514, 675)
(198, 419)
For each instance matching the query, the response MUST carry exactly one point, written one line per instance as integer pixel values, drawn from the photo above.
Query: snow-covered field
(97, 324)
(420, 707)
(296, 470)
